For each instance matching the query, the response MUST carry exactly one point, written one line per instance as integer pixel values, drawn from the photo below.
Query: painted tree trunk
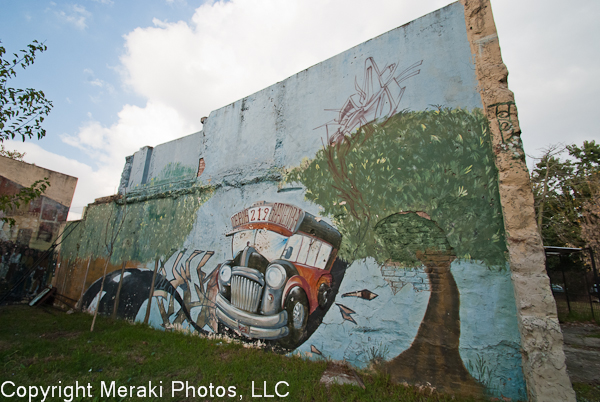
(433, 357)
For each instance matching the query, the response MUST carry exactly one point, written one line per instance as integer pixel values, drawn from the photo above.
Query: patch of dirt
(60, 334)
(337, 373)
(5, 345)
(47, 359)
(136, 357)
(339, 368)
(582, 350)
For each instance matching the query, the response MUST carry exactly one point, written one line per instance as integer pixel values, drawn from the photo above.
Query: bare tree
(109, 243)
(548, 164)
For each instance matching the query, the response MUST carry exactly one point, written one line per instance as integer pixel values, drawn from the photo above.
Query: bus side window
(293, 248)
(313, 252)
(288, 252)
(323, 256)
(306, 243)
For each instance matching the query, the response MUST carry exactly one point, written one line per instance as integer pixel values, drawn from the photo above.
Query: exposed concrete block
(541, 338)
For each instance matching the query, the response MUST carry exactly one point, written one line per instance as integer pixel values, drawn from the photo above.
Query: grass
(593, 336)
(46, 347)
(580, 311)
(587, 392)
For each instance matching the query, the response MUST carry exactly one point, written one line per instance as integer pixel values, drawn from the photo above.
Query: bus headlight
(225, 274)
(275, 276)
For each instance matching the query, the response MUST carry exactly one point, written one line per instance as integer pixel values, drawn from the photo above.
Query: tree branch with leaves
(10, 203)
(562, 189)
(22, 112)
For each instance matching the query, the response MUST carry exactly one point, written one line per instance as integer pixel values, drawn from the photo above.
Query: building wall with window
(39, 222)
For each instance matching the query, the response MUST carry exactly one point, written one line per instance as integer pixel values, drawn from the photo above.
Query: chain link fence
(24, 271)
(574, 283)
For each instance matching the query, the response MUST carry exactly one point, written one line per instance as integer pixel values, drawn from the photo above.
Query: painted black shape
(346, 311)
(286, 189)
(134, 292)
(362, 294)
(338, 270)
(147, 165)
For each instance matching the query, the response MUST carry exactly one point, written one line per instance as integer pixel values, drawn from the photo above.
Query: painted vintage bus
(279, 275)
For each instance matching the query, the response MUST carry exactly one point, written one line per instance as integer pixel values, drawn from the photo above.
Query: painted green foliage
(85, 237)
(413, 233)
(151, 229)
(439, 162)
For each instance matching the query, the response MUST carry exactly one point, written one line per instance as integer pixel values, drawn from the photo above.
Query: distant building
(38, 223)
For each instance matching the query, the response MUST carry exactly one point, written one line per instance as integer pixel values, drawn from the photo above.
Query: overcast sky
(124, 74)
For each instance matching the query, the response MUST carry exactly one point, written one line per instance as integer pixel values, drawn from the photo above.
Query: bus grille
(245, 293)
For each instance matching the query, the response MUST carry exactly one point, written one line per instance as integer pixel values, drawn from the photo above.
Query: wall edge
(544, 364)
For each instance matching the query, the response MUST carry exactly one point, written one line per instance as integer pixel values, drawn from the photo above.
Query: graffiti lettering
(284, 215)
(379, 97)
(503, 112)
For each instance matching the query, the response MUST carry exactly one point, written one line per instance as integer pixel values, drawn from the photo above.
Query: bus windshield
(266, 242)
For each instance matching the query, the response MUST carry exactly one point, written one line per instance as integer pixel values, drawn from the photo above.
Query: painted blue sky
(124, 74)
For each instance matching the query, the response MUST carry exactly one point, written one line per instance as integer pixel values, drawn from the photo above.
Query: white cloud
(105, 87)
(232, 49)
(75, 15)
(108, 146)
(229, 50)
(552, 69)
(153, 124)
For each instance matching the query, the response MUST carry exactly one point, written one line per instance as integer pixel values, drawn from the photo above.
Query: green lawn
(42, 346)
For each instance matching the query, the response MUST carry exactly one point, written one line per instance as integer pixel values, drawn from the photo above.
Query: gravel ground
(582, 349)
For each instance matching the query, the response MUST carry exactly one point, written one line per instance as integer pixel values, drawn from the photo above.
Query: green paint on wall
(176, 170)
(150, 229)
(171, 173)
(438, 162)
(402, 236)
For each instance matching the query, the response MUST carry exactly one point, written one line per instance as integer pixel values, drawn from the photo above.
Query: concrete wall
(38, 223)
(172, 161)
(389, 157)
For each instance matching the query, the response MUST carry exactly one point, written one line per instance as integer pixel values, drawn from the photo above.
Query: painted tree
(437, 166)
(433, 357)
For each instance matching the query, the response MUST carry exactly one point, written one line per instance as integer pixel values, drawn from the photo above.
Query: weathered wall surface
(383, 239)
(541, 338)
(155, 166)
(38, 223)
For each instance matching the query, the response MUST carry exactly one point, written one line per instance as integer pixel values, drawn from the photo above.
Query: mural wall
(349, 212)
